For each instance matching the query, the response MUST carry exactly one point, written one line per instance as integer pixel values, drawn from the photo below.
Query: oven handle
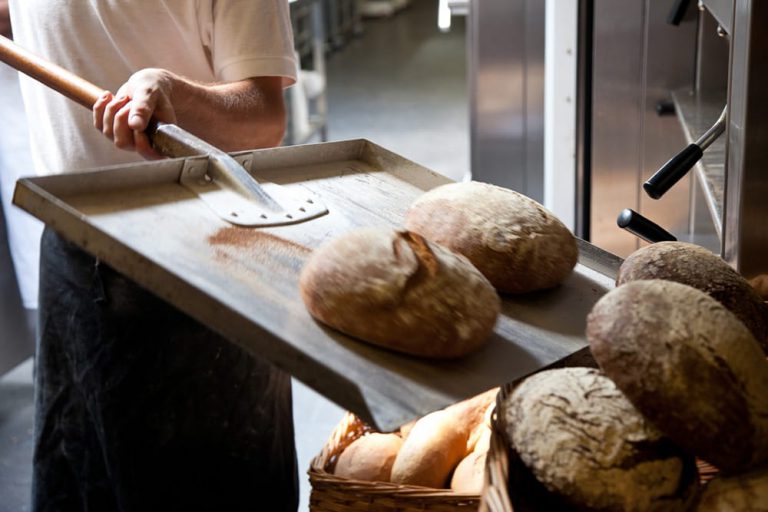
(679, 165)
(643, 227)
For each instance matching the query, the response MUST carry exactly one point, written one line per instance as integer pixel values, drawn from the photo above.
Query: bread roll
(433, 448)
(582, 439)
(468, 475)
(395, 289)
(472, 414)
(513, 240)
(742, 493)
(369, 458)
(695, 266)
(689, 365)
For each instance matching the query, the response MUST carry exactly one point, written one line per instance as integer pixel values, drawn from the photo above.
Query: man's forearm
(241, 115)
(234, 116)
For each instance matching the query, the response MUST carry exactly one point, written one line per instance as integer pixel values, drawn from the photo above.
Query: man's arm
(234, 116)
(5, 19)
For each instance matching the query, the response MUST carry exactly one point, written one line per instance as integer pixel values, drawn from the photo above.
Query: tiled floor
(402, 85)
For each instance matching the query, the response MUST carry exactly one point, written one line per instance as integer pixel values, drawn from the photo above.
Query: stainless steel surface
(598, 260)
(696, 112)
(506, 73)
(244, 283)
(722, 10)
(228, 189)
(712, 55)
(637, 59)
(745, 238)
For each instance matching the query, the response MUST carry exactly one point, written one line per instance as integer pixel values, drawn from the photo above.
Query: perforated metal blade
(228, 189)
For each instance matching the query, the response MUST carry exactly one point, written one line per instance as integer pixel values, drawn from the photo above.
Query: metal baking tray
(243, 282)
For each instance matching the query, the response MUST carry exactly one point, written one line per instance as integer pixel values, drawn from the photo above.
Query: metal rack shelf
(697, 113)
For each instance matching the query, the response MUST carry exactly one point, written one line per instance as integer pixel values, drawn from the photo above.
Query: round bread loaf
(468, 475)
(369, 458)
(395, 289)
(741, 493)
(582, 439)
(695, 266)
(689, 365)
(513, 240)
(433, 448)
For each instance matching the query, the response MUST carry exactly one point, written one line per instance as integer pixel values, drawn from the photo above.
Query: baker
(139, 407)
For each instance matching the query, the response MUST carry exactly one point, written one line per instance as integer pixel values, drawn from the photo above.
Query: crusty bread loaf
(582, 439)
(468, 475)
(695, 266)
(433, 448)
(369, 457)
(513, 240)
(741, 493)
(395, 289)
(689, 365)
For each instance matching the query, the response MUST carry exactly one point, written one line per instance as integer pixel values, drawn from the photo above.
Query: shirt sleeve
(252, 38)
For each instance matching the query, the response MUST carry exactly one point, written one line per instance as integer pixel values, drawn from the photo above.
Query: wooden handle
(59, 79)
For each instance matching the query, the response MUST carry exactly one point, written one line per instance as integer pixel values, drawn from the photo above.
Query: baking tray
(243, 282)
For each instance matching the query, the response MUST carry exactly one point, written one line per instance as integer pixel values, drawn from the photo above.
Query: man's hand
(123, 117)
(233, 116)
(5, 19)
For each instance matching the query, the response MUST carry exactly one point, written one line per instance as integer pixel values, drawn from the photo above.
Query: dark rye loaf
(689, 365)
(513, 240)
(580, 437)
(695, 266)
(397, 290)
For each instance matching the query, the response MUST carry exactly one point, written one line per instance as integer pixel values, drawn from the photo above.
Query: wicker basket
(496, 497)
(334, 494)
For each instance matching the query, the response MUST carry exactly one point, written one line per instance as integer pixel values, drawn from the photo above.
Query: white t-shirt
(106, 41)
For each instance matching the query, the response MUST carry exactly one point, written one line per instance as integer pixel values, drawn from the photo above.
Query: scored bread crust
(395, 289)
(514, 241)
(582, 439)
(695, 266)
(689, 365)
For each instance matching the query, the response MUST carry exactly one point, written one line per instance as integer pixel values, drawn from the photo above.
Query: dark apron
(141, 408)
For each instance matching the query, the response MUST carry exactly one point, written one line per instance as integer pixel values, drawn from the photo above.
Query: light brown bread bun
(433, 448)
(395, 289)
(582, 439)
(514, 241)
(689, 365)
(369, 458)
(472, 415)
(741, 493)
(695, 266)
(468, 475)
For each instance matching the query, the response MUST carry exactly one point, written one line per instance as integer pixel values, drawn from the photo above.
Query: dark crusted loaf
(695, 266)
(581, 438)
(689, 365)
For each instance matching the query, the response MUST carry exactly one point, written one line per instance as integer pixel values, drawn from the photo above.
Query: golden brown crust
(695, 266)
(369, 458)
(432, 450)
(689, 365)
(395, 289)
(513, 240)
